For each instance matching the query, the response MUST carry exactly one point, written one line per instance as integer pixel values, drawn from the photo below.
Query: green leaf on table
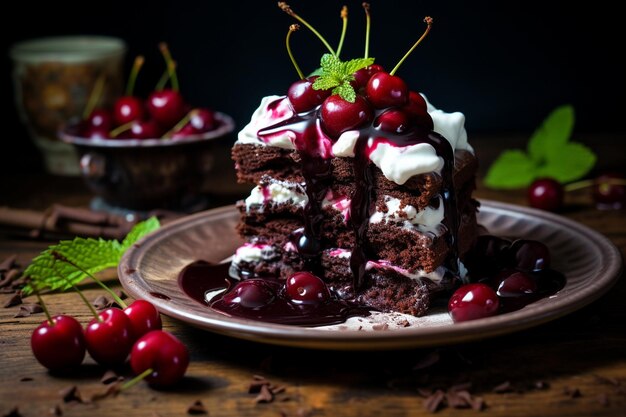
(550, 155)
(91, 255)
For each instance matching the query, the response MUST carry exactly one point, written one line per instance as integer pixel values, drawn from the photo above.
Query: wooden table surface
(574, 366)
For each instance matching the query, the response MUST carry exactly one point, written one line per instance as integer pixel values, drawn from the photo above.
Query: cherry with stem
(366, 7)
(429, 23)
(344, 18)
(292, 29)
(95, 96)
(285, 8)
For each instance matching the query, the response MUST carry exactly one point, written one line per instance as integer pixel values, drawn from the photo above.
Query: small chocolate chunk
(111, 391)
(197, 408)
(503, 387)
(278, 389)
(26, 379)
(477, 403)
(101, 302)
(7, 263)
(110, 376)
(255, 386)
(456, 401)
(434, 401)
(15, 300)
(572, 392)
(32, 308)
(14, 412)
(56, 411)
(70, 394)
(265, 395)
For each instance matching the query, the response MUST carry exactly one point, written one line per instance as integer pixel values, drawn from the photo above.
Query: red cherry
(339, 115)
(473, 301)
(202, 120)
(167, 107)
(306, 288)
(546, 194)
(58, 346)
(109, 341)
(142, 129)
(164, 354)
(128, 108)
(184, 132)
(143, 317)
(607, 195)
(385, 90)
(251, 293)
(529, 255)
(393, 120)
(417, 111)
(93, 132)
(516, 284)
(362, 76)
(100, 118)
(303, 97)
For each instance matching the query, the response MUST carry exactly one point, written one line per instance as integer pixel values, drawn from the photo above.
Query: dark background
(504, 64)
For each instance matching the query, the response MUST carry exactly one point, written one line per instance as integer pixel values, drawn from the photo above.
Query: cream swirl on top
(398, 163)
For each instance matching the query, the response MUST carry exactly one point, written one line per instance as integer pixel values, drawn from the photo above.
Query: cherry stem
(80, 293)
(344, 17)
(134, 72)
(366, 7)
(181, 123)
(285, 8)
(429, 22)
(120, 129)
(62, 258)
(578, 185)
(43, 305)
(171, 65)
(292, 29)
(162, 81)
(94, 97)
(137, 379)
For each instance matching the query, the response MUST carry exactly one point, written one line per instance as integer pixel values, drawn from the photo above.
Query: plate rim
(403, 338)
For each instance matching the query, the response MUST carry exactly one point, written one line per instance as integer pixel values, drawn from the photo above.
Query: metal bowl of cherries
(148, 153)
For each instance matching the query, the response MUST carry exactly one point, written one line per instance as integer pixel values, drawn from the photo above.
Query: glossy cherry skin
(473, 301)
(384, 90)
(393, 121)
(144, 317)
(339, 115)
(59, 346)
(128, 108)
(251, 293)
(529, 255)
(417, 111)
(516, 284)
(166, 107)
(306, 288)
(164, 354)
(184, 132)
(362, 76)
(142, 129)
(93, 132)
(109, 341)
(100, 118)
(608, 195)
(202, 120)
(303, 97)
(546, 194)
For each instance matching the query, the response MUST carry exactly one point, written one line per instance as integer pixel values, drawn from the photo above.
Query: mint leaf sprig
(86, 256)
(337, 75)
(550, 154)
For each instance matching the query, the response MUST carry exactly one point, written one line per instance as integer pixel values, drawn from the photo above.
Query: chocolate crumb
(56, 411)
(121, 294)
(456, 401)
(572, 392)
(111, 391)
(541, 385)
(477, 403)
(404, 323)
(603, 399)
(265, 395)
(7, 263)
(197, 408)
(427, 361)
(434, 401)
(32, 308)
(70, 394)
(503, 387)
(380, 326)
(26, 379)
(110, 376)
(101, 302)
(14, 412)
(360, 328)
(15, 300)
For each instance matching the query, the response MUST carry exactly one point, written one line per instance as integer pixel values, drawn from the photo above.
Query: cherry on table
(529, 255)
(546, 194)
(109, 339)
(385, 90)
(128, 108)
(166, 107)
(60, 344)
(607, 194)
(303, 97)
(339, 115)
(306, 288)
(473, 301)
(251, 293)
(144, 317)
(163, 355)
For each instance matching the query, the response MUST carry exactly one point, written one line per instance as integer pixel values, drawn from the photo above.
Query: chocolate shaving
(70, 394)
(278, 389)
(265, 395)
(572, 392)
(197, 408)
(434, 401)
(56, 411)
(109, 377)
(503, 387)
(7, 263)
(258, 377)
(121, 294)
(477, 403)
(14, 412)
(32, 308)
(380, 326)
(101, 302)
(111, 391)
(15, 300)
(9, 277)
(255, 386)
(455, 400)
(26, 379)
(427, 361)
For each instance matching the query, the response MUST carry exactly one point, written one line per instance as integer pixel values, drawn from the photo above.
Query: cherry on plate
(166, 107)
(306, 288)
(516, 284)
(529, 255)
(162, 353)
(251, 293)
(473, 301)
(128, 108)
(59, 345)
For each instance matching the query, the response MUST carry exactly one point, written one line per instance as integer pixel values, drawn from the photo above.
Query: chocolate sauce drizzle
(313, 147)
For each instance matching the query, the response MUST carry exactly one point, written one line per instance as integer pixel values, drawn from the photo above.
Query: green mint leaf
(512, 169)
(326, 82)
(554, 132)
(318, 72)
(573, 161)
(346, 91)
(354, 65)
(330, 64)
(92, 255)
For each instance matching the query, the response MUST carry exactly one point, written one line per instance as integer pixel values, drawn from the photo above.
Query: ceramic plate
(591, 263)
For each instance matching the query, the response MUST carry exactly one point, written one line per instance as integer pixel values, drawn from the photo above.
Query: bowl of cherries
(147, 153)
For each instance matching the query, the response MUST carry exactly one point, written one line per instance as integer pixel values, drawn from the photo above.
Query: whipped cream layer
(430, 219)
(398, 163)
(254, 252)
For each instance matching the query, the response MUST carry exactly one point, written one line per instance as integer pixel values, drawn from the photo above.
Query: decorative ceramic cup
(54, 78)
